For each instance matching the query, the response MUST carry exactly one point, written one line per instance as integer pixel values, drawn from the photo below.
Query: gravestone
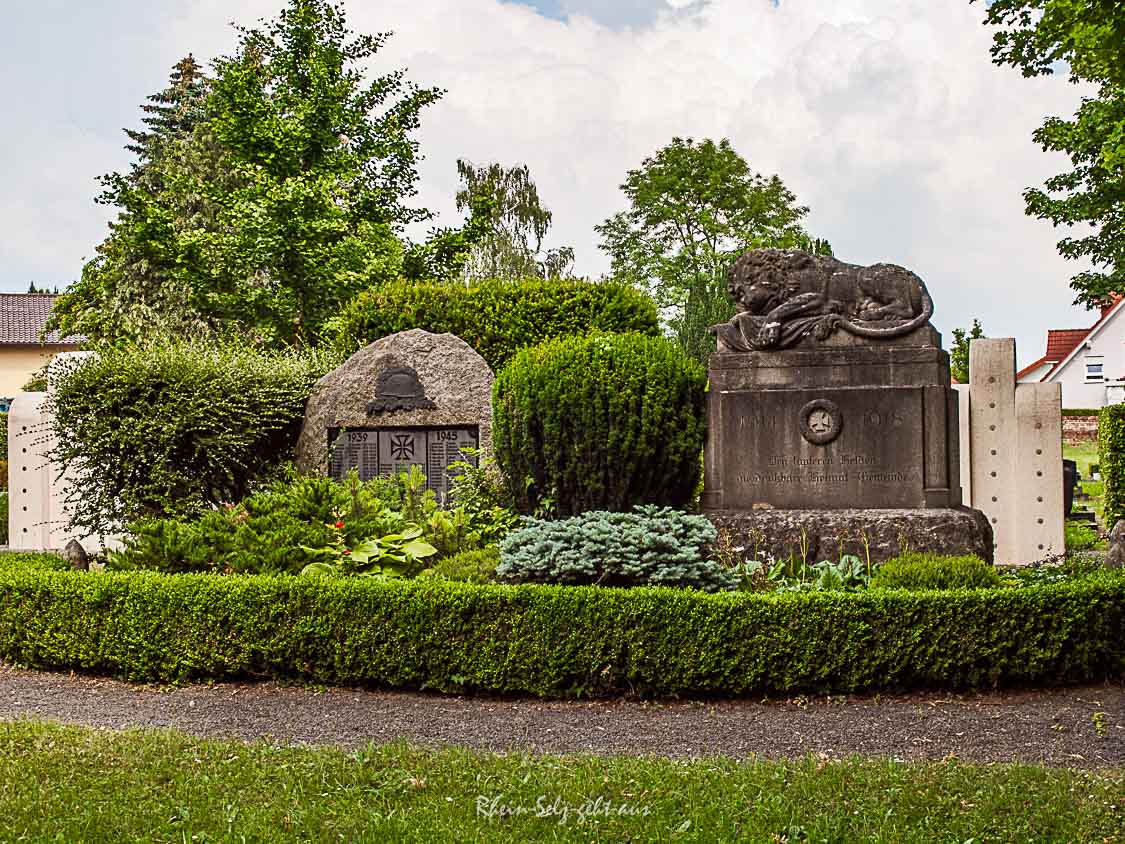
(832, 425)
(410, 399)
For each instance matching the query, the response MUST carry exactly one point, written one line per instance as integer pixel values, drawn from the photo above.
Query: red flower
(339, 525)
(346, 551)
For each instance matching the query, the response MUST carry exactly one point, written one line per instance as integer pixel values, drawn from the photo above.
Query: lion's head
(764, 278)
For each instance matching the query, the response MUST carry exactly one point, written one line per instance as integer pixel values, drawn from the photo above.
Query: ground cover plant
(933, 571)
(316, 525)
(164, 786)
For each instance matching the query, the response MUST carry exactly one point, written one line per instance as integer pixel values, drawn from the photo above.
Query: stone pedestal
(848, 424)
(877, 535)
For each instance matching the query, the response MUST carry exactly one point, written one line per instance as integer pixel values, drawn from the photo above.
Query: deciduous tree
(517, 225)
(959, 351)
(284, 200)
(1087, 38)
(693, 208)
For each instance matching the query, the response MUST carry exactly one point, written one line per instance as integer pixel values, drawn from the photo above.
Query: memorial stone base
(875, 535)
(845, 447)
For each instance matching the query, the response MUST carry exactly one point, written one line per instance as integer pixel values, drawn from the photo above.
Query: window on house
(1095, 368)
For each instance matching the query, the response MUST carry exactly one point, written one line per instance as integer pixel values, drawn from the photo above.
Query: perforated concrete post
(29, 475)
(1039, 472)
(1014, 454)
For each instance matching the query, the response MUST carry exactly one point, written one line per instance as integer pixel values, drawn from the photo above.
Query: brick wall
(1079, 429)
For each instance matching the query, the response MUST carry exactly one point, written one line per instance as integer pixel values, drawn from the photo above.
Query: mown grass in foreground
(74, 784)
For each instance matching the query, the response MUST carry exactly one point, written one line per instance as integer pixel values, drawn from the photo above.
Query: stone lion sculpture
(784, 296)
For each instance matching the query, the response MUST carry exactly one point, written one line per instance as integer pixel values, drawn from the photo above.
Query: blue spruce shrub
(651, 546)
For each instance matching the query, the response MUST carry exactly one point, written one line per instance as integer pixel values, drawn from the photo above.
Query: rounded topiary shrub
(934, 571)
(497, 317)
(601, 422)
(652, 546)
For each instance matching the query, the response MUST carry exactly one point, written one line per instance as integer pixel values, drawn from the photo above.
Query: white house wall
(1107, 340)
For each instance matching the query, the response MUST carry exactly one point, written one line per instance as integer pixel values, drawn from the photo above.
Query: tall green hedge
(1111, 456)
(495, 317)
(177, 429)
(602, 422)
(557, 640)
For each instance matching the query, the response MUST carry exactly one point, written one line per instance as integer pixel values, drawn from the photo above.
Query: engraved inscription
(383, 452)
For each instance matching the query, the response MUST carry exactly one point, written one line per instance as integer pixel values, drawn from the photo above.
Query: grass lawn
(74, 784)
(1084, 454)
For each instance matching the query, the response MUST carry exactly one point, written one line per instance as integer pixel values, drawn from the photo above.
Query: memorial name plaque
(383, 452)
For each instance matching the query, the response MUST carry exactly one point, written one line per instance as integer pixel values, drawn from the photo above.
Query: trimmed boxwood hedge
(495, 317)
(1111, 457)
(556, 640)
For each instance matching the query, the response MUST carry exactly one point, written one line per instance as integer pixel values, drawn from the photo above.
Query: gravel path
(1055, 727)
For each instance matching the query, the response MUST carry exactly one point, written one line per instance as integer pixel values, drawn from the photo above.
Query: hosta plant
(393, 555)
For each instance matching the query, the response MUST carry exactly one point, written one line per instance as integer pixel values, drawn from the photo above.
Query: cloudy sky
(885, 117)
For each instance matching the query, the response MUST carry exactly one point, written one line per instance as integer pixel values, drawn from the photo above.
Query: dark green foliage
(1111, 457)
(916, 570)
(496, 318)
(558, 640)
(599, 423)
(264, 533)
(467, 567)
(959, 351)
(1081, 411)
(652, 546)
(1086, 40)
(3, 518)
(177, 429)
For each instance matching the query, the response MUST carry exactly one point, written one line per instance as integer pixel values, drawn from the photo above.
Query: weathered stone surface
(827, 534)
(1115, 556)
(791, 298)
(452, 375)
(889, 421)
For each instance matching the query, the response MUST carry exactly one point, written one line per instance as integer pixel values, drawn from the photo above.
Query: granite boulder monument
(410, 399)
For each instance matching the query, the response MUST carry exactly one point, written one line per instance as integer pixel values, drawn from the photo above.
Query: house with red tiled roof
(23, 348)
(1089, 363)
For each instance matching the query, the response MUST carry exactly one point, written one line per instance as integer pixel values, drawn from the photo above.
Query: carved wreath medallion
(820, 421)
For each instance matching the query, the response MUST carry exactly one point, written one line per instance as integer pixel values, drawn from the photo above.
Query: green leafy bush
(1079, 536)
(652, 546)
(915, 570)
(3, 435)
(466, 567)
(177, 429)
(301, 520)
(3, 518)
(495, 317)
(557, 640)
(599, 423)
(1111, 458)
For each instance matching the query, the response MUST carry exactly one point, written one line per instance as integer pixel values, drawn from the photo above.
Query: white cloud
(886, 117)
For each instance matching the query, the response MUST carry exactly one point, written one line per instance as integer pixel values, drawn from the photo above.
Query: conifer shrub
(916, 570)
(496, 318)
(602, 422)
(652, 546)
